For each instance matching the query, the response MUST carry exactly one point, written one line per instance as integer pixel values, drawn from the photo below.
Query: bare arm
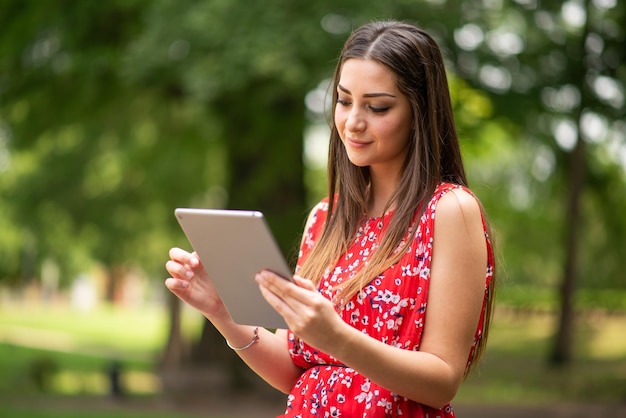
(432, 375)
(268, 357)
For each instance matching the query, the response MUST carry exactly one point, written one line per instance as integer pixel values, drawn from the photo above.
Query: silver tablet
(233, 246)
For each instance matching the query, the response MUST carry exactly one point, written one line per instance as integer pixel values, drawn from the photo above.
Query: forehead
(367, 75)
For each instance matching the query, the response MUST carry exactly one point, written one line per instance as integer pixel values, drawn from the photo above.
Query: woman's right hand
(191, 283)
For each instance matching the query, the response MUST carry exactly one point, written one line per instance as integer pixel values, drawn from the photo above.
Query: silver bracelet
(255, 338)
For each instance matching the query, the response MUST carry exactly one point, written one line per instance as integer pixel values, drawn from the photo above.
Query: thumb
(303, 283)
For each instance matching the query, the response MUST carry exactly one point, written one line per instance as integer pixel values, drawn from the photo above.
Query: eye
(343, 102)
(376, 109)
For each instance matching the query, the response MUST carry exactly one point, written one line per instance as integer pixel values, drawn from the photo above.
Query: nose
(355, 121)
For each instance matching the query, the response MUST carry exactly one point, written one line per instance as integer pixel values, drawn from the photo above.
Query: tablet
(234, 246)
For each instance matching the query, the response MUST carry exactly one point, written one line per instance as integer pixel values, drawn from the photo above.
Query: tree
(563, 64)
(111, 116)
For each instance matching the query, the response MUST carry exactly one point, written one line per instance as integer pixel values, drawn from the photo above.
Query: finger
(194, 261)
(190, 261)
(304, 283)
(274, 282)
(290, 295)
(300, 292)
(178, 270)
(184, 257)
(176, 284)
(279, 305)
(178, 254)
(272, 298)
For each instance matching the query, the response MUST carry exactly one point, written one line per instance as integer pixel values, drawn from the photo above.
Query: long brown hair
(434, 153)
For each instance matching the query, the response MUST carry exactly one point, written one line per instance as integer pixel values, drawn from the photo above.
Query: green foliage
(545, 299)
(114, 113)
(76, 348)
(552, 73)
(512, 372)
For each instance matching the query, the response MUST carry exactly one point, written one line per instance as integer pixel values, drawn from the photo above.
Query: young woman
(392, 295)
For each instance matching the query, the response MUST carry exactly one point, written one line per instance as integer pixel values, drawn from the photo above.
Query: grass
(45, 412)
(54, 361)
(515, 367)
(52, 355)
(546, 298)
(78, 348)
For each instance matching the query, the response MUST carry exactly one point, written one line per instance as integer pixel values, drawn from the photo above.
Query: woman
(392, 295)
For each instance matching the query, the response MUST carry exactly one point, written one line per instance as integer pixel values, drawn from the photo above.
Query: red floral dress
(391, 308)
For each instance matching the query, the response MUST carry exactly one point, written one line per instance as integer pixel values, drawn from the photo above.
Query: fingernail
(189, 274)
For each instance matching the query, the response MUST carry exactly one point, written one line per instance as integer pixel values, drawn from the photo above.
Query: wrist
(217, 314)
(346, 342)
(255, 339)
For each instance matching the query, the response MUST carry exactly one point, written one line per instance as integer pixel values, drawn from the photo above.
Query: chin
(359, 164)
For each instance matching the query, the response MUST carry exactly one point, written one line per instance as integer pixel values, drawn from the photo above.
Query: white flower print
(361, 296)
(390, 308)
(365, 396)
(334, 412)
(387, 405)
(378, 324)
(346, 380)
(354, 317)
(406, 270)
(354, 265)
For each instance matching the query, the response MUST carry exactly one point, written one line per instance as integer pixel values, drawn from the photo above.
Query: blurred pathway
(541, 411)
(253, 407)
(64, 342)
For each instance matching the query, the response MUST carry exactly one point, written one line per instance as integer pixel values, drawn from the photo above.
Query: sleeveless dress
(391, 308)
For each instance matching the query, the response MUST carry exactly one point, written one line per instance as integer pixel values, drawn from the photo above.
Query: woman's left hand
(308, 314)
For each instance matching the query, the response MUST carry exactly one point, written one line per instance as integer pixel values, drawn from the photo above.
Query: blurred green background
(112, 114)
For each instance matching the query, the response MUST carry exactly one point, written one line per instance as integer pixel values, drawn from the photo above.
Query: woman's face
(372, 116)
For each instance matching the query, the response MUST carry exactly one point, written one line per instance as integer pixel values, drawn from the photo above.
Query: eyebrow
(345, 90)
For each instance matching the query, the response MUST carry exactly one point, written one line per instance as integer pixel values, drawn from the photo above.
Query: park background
(112, 114)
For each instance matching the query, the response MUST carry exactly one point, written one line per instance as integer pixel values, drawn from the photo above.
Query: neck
(382, 187)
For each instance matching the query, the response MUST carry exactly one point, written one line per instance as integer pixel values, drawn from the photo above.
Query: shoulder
(457, 201)
(458, 213)
(317, 214)
(455, 206)
(313, 228)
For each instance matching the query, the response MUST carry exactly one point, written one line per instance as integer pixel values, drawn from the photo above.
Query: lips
(355, 143)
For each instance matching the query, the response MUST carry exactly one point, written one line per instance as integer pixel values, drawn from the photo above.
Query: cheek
(340, 120)
(399, 128)
(391, 130)
(394, 135)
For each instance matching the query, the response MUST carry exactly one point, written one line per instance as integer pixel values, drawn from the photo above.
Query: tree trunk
(265, 157)
(562, 350)
(174, 352)
(561, 354)
(264, 125)
(116, 275)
